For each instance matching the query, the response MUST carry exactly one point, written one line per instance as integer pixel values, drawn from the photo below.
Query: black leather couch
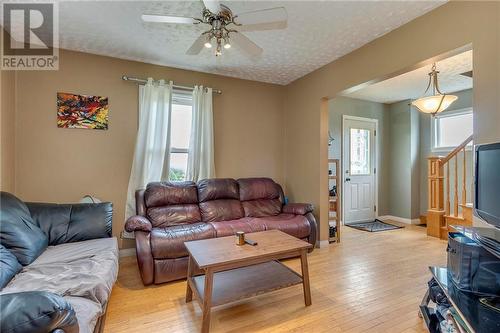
(38, 239)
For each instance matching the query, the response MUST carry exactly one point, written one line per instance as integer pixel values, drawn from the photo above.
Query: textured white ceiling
(318, 32)
(412, 85)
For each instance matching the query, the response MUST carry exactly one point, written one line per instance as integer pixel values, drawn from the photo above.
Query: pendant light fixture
(437, 102)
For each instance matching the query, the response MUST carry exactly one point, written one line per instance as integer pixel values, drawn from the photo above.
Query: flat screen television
(487, 183)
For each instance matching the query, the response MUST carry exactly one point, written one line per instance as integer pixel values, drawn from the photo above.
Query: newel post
(435, 205)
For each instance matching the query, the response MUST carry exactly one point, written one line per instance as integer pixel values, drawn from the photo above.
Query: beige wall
(7, 119)
(446, 28)
(261, 129)
(61, 165)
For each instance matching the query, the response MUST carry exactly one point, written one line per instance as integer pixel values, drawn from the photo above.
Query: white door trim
(371, 120)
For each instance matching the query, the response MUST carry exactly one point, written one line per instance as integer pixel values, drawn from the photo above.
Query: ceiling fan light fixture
(222, 22)
(218, 50)
(437, 102)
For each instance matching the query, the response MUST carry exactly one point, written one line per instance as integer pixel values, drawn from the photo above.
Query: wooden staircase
(441, 213)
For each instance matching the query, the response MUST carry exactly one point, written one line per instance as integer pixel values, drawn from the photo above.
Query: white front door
(359, 170)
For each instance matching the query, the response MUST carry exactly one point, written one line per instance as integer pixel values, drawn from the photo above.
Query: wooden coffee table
(235, 272)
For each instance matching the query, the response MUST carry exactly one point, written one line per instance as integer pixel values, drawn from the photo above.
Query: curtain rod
(144, 81)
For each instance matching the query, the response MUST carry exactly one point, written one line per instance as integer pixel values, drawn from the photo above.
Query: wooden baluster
(448, 189)
(435, 210)
(455, 198)
(464, 191)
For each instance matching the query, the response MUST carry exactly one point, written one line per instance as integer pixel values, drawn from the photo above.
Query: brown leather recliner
(168, 214)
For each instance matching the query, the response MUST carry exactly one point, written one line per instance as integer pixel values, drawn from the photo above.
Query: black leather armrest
(36, 311)
(64, 223)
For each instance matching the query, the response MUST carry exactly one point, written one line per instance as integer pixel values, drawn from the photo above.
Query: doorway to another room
(384, 142)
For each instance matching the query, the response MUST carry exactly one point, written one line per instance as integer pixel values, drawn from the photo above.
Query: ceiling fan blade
(197, 46)
(278, 25)
(212, 5)
(245, 44)
(167, 19)
(265, 19)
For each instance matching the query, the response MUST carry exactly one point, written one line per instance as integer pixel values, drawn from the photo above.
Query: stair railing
(439, 204)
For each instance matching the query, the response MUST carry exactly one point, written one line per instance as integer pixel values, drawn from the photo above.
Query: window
(360, 151)
(182, 108)
(450, 129)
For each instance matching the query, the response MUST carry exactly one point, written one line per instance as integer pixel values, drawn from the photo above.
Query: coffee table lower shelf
(245, 282)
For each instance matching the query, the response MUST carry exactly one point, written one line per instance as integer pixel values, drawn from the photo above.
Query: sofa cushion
(221, 210)
(65, 223)
(262, 208)
(18, 233)
(245, 224)
(217, 188)
(87, 313)
(171, 204)
(294, 225)
(219, 200)
(36, 311)
(168, 193)
(258, 188)
(169, 242)
(93, 264)
(260, 197)
(9, 266)
(166, 216)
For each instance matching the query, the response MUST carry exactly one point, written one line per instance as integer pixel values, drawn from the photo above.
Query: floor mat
(374, 226)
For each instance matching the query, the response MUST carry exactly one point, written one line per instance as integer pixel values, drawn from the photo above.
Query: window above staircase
(450, 129)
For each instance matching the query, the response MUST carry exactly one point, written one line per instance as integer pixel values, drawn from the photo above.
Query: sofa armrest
(36, 311)
(298, 208)
(313, 236)
(65, 223)
(138, 222)
(144, 256)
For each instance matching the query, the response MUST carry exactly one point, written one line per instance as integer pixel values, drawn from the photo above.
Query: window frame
(181, 97)
(434, 129)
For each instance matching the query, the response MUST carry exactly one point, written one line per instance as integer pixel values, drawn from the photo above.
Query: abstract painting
(82, 111)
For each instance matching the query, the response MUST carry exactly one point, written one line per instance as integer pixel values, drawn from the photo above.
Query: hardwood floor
(371, 282)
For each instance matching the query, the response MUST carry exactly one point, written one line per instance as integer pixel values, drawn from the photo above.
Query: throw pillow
(18, 233)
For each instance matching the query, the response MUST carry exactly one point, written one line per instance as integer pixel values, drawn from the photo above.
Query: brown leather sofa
(168, 214)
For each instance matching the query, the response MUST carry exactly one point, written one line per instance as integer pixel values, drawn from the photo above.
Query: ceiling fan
(223, 24)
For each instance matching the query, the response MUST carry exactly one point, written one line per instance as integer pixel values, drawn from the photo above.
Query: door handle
(348, 179)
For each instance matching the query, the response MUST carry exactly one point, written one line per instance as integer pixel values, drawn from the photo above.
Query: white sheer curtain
(152, 148)
(200, 164)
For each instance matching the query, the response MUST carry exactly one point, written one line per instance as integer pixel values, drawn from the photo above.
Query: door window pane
(360, 151)
(178, 166)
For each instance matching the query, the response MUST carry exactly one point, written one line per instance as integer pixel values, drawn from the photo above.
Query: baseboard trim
(323, 243)
(399, 219)
(126, 252)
